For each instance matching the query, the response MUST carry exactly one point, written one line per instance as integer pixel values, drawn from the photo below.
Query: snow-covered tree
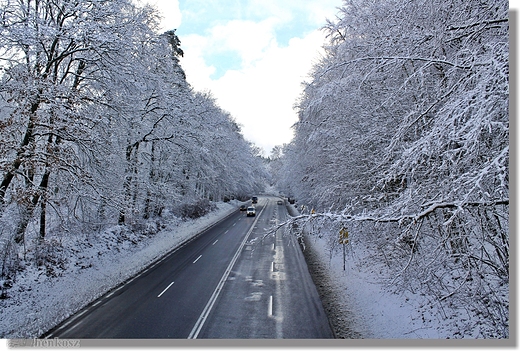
(99, 126)
(405, 124)
(56, 56)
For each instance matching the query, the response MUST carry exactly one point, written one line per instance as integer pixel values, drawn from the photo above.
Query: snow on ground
(38, 302)
(359, 306)
(367, 309)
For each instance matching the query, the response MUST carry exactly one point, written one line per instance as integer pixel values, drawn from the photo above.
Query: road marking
(272, 266)
(198, 258)
(75, 325)
(215, 242)
(207, 309)
(165, 289)
(270, 306)
(105, 299)
(278, 276)
(82, 313)
(234, 224)
(68, 323)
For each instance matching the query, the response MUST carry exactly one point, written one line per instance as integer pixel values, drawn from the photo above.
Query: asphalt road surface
(234, 281)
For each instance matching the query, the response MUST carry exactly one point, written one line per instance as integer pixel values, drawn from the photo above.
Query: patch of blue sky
(288, 31)
(223, 61)
(200, 17)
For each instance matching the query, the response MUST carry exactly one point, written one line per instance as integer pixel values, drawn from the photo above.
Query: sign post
(343, 240)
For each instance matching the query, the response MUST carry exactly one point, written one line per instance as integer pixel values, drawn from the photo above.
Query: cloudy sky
(252, 56)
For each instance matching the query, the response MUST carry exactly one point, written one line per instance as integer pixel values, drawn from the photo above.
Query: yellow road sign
(343, 236)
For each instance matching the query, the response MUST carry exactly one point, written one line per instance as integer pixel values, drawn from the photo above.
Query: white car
(251, 211)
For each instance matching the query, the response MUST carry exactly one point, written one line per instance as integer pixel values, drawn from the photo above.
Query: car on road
(251, 211)
(254, 199)
(279, 202)
(243, 208)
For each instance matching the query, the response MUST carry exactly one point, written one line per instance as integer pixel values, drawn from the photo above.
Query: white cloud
(170, 12)
(264, 73)
(193, 63)
(249, 39)
(260, 95)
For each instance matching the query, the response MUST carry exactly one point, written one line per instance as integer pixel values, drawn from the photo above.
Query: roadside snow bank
(359, 306)
(94, 265)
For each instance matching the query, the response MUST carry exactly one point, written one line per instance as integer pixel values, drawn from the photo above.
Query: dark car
(279, 202)
(243, 208)
(254, 199)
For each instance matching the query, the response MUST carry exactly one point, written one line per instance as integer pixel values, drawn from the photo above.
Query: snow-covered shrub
(49, 254)
(196, 209)
(10, 261)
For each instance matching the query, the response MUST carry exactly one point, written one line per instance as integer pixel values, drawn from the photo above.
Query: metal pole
(344, 256)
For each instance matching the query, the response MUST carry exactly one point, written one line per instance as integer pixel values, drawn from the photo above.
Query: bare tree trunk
(150, 208)
(43, 202)
(131, 173)
(39, 195)
(15, 165)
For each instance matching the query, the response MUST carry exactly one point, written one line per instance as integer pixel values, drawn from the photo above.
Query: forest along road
(233, 281)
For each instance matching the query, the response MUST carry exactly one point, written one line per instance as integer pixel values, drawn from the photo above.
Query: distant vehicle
(254, 199)
(243, 208)
(279, 202)
(251, 211)
(291, 200)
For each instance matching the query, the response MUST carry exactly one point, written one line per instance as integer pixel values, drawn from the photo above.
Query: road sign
(343, 236)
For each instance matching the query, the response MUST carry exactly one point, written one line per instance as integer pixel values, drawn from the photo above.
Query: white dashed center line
(165, 290)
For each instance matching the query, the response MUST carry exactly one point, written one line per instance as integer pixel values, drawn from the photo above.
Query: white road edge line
(75, 325)
(165, 289)
(207, 309)
(68, 323)
(198, 258)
